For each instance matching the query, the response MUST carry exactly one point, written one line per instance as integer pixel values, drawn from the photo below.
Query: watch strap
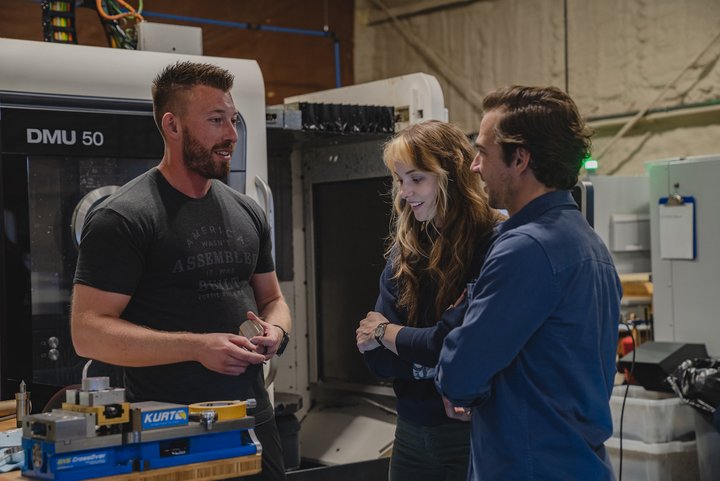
(284, 342)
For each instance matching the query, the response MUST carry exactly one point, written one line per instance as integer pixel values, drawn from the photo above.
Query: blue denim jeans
(430, 453)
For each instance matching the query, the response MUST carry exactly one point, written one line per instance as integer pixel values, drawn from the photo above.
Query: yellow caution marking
(225, 410)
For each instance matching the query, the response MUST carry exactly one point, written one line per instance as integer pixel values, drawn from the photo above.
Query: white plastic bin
(675, 461)
(651, 417)
(708, 447)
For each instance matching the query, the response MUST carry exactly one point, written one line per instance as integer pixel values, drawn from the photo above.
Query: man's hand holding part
(270, 342)
(227, 353)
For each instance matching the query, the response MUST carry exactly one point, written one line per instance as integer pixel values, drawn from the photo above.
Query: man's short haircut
(546, 122)
(180, 77)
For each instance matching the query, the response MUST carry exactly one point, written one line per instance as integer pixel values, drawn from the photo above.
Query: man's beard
(198, 159)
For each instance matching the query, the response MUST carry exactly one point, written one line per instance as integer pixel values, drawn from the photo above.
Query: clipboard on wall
(677, 227)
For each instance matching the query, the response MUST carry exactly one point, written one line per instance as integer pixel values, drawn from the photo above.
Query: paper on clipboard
(677, 229)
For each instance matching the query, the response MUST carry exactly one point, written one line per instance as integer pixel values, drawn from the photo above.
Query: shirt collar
(537, 207)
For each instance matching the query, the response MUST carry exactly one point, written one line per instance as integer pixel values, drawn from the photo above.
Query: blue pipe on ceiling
(254, 26)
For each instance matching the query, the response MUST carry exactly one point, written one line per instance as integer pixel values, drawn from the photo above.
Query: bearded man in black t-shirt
(174, 261)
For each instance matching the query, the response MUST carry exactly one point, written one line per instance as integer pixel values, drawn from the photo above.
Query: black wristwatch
(284, 342)
(380, 333)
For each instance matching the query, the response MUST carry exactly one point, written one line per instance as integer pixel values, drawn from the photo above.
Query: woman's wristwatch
(380, 333)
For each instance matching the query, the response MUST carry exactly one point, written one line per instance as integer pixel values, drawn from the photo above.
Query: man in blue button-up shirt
(535, 356)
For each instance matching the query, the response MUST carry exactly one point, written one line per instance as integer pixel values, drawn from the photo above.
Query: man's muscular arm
(274, 312)
(99, 333)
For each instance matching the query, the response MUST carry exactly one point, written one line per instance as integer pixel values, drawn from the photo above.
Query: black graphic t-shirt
(186, 263)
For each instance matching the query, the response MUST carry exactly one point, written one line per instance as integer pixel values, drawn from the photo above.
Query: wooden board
(7, 407)
(207, 471)
(8, 424)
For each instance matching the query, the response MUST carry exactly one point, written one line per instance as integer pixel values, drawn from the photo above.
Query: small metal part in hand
(250, 329)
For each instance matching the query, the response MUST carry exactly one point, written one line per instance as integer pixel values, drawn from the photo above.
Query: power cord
(627, 389)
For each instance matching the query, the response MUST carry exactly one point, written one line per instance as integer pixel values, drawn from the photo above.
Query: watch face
(380, 330)
(380, 333)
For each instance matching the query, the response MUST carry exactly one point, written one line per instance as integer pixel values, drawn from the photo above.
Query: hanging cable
(119, 20)
(326, 22)
(131, 12)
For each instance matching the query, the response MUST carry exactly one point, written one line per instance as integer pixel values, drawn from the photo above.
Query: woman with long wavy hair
(442, 228)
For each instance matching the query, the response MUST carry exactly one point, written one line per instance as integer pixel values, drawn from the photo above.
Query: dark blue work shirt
(535, 354)
(413, 369)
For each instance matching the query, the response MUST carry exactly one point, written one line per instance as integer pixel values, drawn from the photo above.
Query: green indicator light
(589, 163)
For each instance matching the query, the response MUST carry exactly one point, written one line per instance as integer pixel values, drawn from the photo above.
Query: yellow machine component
(225, 410)
(104, 415)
